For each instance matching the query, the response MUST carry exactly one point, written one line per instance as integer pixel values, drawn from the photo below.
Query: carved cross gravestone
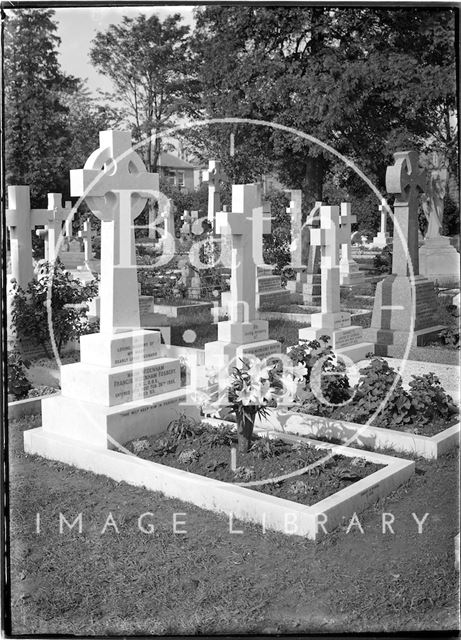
(349, 273)
(405, 311)
(116, 187)
(331, 321)
(86, 236)
(214, 176)
(21, 219)
(382, 238)
(406, 181)
(244, 226)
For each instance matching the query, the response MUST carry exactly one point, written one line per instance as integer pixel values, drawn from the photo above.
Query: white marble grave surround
(222, 497)
(373, 436)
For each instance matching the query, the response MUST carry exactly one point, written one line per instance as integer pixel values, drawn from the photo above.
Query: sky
(77, 26)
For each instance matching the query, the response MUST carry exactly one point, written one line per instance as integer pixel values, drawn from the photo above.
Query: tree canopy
(365, 80)
(36, 135)
(147, 62)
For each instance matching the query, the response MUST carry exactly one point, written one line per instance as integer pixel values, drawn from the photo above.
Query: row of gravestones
(127, 384)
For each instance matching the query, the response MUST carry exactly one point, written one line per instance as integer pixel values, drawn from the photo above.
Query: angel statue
(432, 201)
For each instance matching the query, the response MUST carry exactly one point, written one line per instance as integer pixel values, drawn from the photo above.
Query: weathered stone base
(439, 261)
(269, 299)
(347, 341)
(218, 354)
(352, 278)
(106, 427)
(403, 303)
(387, 337)
(381, 240)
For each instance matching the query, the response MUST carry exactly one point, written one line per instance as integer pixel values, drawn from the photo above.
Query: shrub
(430, 400)
(18, 384)
(383, 261)
(29, 311)
(371, 395)
(334, 383)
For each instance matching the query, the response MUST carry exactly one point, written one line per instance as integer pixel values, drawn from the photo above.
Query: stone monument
(346, 339)
(21, 219)
(349, 274)
(242, 334)
(439, 260)
(405, 307)
(122, 388)
(382, 239)
(305, 257)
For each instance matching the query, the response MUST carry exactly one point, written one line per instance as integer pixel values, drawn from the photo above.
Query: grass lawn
(211, 581)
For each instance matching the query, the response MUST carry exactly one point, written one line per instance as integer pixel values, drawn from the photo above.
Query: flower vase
(245, 426)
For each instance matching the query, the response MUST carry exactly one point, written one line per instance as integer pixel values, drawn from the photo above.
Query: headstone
(186, 225)
(269, 290)
(214, 176)
(349, 274)
(122, 388)
(331, 321)
(382, 238)
(242, 334)
(21, 219)
(86, 237)
(306, 289)
(405, 308)
(168, 241)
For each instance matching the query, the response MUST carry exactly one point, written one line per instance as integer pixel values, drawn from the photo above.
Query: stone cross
(21, 219)
(241, 225)
(169, 236)
(347, 219)
(214, 176)
(383, 211)
(329, 237)
(406, 181)
(87, 238)
(310, 254)
(185, 227)
(116, 186)
(296, 226)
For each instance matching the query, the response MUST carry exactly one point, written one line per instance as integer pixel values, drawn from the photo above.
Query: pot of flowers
(253, 388)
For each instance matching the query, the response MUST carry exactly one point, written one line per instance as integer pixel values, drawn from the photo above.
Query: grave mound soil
(214, 461)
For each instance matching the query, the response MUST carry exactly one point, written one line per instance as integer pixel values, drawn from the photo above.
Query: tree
(86, 117)
(147, 61)
(367, 81)
(36, 133)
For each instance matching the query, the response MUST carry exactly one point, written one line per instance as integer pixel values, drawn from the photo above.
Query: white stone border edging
(430, 447)
(26, 407)
(221, 497)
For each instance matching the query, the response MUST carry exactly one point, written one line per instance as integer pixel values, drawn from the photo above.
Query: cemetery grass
(204, 453)
(209, 581)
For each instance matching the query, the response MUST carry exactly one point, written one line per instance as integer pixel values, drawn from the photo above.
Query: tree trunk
(245, 425)
(314, 179)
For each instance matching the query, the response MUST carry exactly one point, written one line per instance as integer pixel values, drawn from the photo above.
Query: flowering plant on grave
(326, 382)
(252, 389)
